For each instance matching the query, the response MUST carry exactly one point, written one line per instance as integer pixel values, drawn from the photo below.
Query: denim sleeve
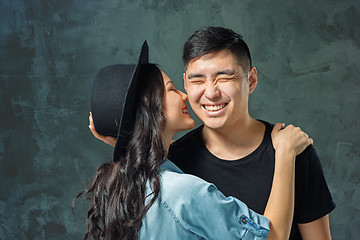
(211, 215)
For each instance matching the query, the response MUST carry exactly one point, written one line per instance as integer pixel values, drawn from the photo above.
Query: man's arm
(316, 230)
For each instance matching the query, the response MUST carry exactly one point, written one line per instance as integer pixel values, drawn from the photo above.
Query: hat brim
(129, 112)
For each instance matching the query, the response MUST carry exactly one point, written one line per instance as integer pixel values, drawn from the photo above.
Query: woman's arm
(288, 143)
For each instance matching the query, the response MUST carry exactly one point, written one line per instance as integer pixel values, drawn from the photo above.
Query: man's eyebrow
(196, 75)
(229, 72)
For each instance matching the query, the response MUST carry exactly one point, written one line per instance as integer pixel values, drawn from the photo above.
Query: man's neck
(233, 143)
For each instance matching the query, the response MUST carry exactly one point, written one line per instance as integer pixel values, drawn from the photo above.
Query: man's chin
(214, 125)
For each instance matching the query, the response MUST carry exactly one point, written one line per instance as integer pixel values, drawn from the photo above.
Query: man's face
(218, 89)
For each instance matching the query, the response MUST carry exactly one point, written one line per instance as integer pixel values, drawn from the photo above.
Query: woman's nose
(184, 96)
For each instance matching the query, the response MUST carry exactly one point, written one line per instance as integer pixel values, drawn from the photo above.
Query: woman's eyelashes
(172, 87)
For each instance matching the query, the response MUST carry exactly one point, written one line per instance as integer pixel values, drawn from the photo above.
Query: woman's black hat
(113, 100)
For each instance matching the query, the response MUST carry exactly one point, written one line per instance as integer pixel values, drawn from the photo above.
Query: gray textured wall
(307, 54)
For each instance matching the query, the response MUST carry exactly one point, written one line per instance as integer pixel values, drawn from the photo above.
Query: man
(232, 149)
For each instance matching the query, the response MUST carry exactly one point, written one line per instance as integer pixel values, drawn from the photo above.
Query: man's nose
(211, 91)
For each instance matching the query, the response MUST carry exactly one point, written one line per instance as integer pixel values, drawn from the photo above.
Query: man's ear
(252, 78)
(184, 77)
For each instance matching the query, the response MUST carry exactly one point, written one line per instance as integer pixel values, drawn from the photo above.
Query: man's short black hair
(213, 39)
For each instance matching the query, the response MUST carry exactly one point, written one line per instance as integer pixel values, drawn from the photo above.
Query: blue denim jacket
(191, 208)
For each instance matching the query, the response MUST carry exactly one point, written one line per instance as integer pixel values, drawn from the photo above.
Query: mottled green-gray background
(308, 59)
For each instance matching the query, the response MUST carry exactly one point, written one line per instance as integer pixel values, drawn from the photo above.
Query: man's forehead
(220, 60)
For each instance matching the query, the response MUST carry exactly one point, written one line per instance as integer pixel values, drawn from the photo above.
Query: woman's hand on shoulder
(290, 139)
(106, 139)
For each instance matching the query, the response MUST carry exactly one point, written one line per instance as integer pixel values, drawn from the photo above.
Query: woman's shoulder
(183, 186)
(182, 180)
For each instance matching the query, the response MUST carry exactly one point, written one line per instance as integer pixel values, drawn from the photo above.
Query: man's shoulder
(308, 153)
(189, 139)
(185, 149)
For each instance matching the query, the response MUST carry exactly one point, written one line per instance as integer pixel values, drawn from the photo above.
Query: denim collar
(168, 165)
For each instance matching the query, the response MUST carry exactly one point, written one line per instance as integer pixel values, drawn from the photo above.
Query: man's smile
(214, 108)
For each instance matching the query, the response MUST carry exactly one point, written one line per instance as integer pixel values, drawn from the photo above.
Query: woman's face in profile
(176, 114)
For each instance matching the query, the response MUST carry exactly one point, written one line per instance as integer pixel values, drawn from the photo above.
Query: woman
(142, 195)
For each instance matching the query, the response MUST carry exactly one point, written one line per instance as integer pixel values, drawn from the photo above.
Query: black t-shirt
(250, 178)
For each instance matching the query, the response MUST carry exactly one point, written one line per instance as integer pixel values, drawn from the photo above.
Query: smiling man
(232, 149)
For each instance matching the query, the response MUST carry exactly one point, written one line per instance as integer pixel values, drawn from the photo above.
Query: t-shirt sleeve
(211, 215)
(312, 196)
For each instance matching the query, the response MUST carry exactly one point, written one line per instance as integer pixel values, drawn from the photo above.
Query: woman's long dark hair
(118, 189)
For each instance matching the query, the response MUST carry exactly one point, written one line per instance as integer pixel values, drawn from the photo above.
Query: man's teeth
(185, 110)
(214, 107)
